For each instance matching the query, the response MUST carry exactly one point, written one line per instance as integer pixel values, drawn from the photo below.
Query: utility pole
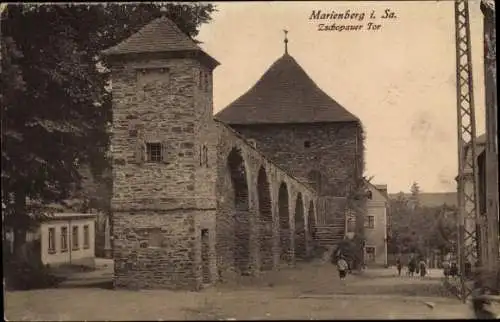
(468, 221)
(491, 151)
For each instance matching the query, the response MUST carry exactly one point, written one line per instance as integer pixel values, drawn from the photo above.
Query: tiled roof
(160, 35)
(285, 94)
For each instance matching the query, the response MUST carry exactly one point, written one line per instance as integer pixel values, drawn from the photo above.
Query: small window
(64, 239)
(351, 225)
(206, 82)
(52, 240)
(86, 237)
(204, 156)
(370, 222)
(252, 143)
(200, 80)
(370, 254)
(307, 144)
(74, 238)
(153, 151)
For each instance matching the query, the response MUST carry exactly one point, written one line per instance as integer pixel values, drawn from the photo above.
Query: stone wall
(330, 148)
(156, 110)
(176, 222)
(155, 250)
(227, 238)
(159, 210)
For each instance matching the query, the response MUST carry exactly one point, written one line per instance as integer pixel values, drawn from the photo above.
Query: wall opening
(284, 219)
(205, 256)
(300, 231)
(241, 246)
(266, 221)
(311, 221)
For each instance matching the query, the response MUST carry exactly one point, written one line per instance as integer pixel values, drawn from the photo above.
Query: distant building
(376, 226)
(64, 238)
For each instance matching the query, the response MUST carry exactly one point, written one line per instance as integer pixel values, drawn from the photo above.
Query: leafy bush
(25, 275)
(26, 271)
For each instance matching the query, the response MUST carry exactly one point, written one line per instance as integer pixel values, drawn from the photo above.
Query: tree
(415, 195)
(55, 104)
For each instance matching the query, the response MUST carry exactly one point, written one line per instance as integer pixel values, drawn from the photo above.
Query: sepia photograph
(249, 160)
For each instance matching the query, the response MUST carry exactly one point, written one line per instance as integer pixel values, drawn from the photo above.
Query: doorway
(205, 256)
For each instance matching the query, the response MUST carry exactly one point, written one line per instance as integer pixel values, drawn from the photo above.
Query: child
(342, 267)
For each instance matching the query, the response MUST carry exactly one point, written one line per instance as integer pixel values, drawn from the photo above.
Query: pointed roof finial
(286, 41)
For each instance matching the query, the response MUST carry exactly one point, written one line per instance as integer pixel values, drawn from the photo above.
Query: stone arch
(284, 220)
(265, 220)
(311, 220)
(300, 231)
(241, 214)
(315, 179)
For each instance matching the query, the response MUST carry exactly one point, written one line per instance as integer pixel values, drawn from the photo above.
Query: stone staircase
(329, 235)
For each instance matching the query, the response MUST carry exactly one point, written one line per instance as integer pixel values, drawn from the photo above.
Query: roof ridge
(160, 34)
(285, 93)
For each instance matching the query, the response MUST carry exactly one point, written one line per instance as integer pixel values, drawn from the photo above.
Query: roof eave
(217, 117)
(198, 54)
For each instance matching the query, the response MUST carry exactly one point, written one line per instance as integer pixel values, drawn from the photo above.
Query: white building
(376, 226)
(65, 238)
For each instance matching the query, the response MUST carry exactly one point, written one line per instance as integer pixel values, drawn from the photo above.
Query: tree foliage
(420, 229)
(56, 108)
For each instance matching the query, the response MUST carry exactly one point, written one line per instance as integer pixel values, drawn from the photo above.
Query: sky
(399, 80)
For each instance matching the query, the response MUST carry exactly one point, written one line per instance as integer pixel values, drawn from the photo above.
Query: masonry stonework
(194, 201)
(328, 148)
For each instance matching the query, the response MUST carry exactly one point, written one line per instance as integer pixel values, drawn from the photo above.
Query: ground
(309, 291)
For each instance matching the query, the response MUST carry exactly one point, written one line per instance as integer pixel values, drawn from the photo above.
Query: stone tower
(162, 101)
(300, 128)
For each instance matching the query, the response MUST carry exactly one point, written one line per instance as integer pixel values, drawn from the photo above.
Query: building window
(206, 82)
(307, 144)
(204, 156)
(52, 240)
(64, 239)
(74, 238)
(153, 152)
(351, 225)
(253, 143)
(86, 236)
(370, 254)
(370, 222)
(200, 80)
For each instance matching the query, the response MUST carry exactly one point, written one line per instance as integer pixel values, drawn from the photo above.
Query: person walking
(342, 267)
(412, 266)
(423, 268)
(399, 266)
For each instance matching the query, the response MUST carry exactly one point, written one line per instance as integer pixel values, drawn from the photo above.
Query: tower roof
(285, 94)
(159, 36)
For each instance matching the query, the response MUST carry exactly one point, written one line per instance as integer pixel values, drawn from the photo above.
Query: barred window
(153, 151)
